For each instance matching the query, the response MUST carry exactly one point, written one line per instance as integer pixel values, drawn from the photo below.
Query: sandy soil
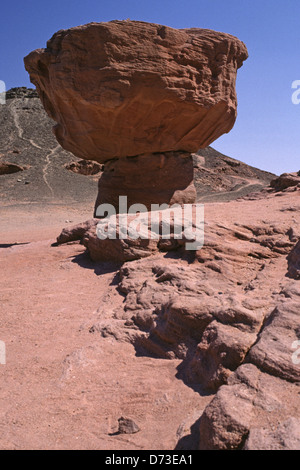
(64, 387)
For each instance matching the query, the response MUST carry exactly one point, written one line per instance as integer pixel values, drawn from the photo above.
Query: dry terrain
(90, 342)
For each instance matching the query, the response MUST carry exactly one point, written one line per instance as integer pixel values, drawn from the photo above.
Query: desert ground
(89, 342)
(65, 385)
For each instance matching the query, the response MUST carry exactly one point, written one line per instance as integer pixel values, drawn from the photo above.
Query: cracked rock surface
(230, 314)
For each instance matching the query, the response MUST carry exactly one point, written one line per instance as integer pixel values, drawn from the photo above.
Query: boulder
(273, 352)
(285, 437)
(125, 88)
(252, 412)
(6, 168)
(286, 180)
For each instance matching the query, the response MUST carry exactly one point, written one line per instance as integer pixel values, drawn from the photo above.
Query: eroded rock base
(148, 179)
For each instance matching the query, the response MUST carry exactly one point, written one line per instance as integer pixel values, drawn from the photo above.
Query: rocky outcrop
(127, 237)
(207, 313)
(229, 313)
(284, 181)
(85, 167)
(273, 350)
(285, 437)
(76, 232)
(21, 92)
(253, 405)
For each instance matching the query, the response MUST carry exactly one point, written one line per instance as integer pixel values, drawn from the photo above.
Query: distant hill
(222, 178)
(27, 142)
(26, 139)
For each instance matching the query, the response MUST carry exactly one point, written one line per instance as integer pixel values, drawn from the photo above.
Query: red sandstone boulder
(126, 88)
(254, 411)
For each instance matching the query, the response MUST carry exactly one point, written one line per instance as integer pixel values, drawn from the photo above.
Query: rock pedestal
(148, 179)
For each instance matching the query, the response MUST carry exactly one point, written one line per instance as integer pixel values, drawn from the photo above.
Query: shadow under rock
(182, 369)
(9, 245)
(188, 256)
(191, 441)
(99, 268)
(143, 350)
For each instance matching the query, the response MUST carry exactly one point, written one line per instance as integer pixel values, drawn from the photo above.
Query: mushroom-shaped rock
(129, 88)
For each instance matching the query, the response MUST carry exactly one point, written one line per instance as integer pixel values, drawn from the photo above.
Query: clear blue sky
(267, 130)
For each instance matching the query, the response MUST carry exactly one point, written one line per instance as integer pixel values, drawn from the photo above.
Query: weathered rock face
(294, 262)
(253, 411)
(84, 167)
(148, 179)
(126, 88)
(286, 180)
(208, 310)
(229, 313)
(127, 237)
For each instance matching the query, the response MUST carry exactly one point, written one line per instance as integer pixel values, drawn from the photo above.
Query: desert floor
(64, 387)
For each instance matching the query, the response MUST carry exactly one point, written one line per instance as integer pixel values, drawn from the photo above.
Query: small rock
(127, 426)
